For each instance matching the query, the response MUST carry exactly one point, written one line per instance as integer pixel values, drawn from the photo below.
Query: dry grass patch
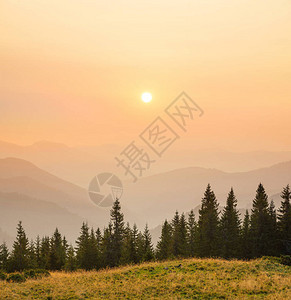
(196, 279)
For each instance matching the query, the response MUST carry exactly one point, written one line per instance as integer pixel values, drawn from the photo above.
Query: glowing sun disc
(146, 97)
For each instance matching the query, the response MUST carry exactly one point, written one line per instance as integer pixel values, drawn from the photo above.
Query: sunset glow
(73, 63)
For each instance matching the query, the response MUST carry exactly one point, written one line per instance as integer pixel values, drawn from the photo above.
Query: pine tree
(230, 228)
(140, 247)
(148, 246)
(98, 236)
(164, 246)
(284, 221)
(192, 233)
(272, 226)
(84, 260)
(65, 243)
(64, 250)
(245, 244)
(71, 262)
(129, 247)
(126, 246)
(107, 247)
(32, 263)
(134, 242)
(260, 224)
(20, 254)
(45, 253)
(208, 233)
(57, 257)
(183, 244)
(4, 255)
(176, 234)
(179, 236)
(118, 232)
(93, 251)
(38, 252)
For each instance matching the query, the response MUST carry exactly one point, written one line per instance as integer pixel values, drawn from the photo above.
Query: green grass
(197, 279)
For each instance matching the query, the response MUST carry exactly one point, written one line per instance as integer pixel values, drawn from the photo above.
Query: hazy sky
(74, 71)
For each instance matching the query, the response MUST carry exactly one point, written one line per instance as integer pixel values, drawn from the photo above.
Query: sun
(146, 97)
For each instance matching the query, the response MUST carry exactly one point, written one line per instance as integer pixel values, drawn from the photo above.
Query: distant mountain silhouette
(23, 177)
(160, 195)
(151, 199)
(38, 217)
(80, 164)
(14, 167)
(44, 201)
(73, 164)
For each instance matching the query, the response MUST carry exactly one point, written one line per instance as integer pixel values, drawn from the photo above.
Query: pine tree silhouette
(208, 232)
(260, 227)
(230, 228)
(20, 254)
(164, 247)
(284, 221)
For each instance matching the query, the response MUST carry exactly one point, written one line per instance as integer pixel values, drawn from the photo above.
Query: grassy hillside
(195, 279)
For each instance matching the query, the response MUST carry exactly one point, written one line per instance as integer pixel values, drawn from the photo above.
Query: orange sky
(73, 71)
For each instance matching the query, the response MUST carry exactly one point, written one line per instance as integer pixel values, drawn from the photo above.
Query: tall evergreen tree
(230, 228)
(176, 235)
(65, 243)
(127, 245)
(260, 224)
(134, 243)
(284, 221)
(45, 253)
(118, 232)
(83, 251)
(93, 255)
(245, 244)
(208, 232)
(164, 247)
(107, 247)
(64, 251)
(98, 236)
(38, 252)
(272, 226)
(20, 253)
(130, 244)
(192, 233)
(71, 262)
(179, 236)
(32, 263)
(140, 245)
(57, 258)
(184, 246)
(148, 246)
(4, 255)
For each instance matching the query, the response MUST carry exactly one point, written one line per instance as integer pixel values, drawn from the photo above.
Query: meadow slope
(195, 279)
